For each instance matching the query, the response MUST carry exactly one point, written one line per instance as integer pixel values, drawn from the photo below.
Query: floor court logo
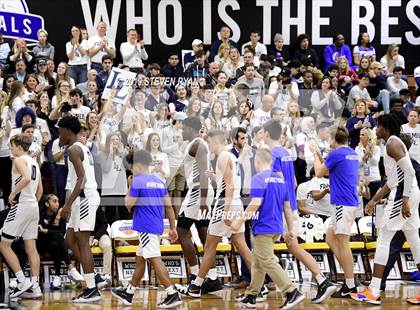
(17, 22)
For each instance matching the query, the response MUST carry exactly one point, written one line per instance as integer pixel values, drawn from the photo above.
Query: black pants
(53, 243)
(245, 272)
(6, 177)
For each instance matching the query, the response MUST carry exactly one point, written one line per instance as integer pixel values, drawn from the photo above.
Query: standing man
(22, 219)
(82, 202)
(256, 86)
(402, 210)
(103, 74)
(224, 38)
(99, 46)
(270, 199)
(197, 203)
(149, 197)
(342, 165)
(227, 207)
(133, 52)
(283, 166)
(260, 49)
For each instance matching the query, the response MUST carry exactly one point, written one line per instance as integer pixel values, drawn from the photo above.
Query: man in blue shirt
(283, 166)
(342, 165)
(270, 199)
(149, 197)
(334, 51)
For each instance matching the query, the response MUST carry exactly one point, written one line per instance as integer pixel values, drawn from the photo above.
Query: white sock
(375, 285)
(90, 280)
(35, 282)
(320, 278)
(131, 289)
(20, 276)
(350, 283)
(212, 274)
(170, 290)
(198, 281)
(194, 270)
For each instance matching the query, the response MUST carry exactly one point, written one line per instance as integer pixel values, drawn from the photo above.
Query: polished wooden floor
(393, 298)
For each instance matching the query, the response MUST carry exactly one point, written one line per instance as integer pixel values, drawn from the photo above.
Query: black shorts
(186, 223)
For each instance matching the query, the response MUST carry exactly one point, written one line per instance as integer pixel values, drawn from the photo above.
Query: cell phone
(138, 37)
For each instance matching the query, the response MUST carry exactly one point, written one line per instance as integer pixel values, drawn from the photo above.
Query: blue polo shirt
(274, 192)
(343, 164)
(148, 211)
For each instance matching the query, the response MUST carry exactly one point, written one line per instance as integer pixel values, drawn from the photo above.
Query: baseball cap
(42, 61)
(180, 116)
(196, 42)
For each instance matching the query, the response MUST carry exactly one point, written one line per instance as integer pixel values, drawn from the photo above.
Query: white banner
(121, 81)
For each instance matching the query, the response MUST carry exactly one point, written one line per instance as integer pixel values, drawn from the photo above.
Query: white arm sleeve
(409, 174)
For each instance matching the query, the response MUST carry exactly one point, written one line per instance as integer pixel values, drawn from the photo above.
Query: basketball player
(283, 166)
(149, 197)
(22, 219)
(270, 198)
(197, 203)
(82, 203)
(401, 212)
(342, 164)
(228, 207)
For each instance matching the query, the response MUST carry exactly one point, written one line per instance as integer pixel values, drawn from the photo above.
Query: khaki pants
(106, 246)
(264, 261)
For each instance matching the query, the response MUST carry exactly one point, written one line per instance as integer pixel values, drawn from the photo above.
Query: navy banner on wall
(171, 25)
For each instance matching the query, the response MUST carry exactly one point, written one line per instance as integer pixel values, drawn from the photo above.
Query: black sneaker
(210, 286)
(87, 295)
(122, 295)
(102, 282)
(325, 290)
(292, 299)
(183, 289)
(171, 301)
(344, 292)
(259, 298)
(249, 301)
(194, 290)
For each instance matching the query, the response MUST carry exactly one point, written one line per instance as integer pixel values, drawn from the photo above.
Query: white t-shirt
(94, 42)
(364, 52)
(399, 63)
(303, 193)
(371, 171)
(81, 112)
(55, 149)
(78, 58)
(415, 140)
(260, 49)
(260, 117)
(37, 137)
(322, 206)
(283, 96)
(17, 104)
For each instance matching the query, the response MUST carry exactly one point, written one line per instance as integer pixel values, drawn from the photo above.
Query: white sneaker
(74, 275)
(33, 293)
(21, 288)
(13, 283)
(56, 283)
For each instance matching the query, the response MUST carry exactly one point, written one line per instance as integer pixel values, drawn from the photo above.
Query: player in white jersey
(82, 203)
(228, 207)
(402, 210)
(22, 219)
(196, 207)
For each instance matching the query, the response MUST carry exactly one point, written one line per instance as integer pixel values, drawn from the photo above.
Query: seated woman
(363, 49)
(325, 101)
(392, 59)
(51, 231)
(347, 78)
(361, 118)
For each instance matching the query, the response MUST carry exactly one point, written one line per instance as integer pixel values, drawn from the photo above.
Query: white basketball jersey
(192, 173)
(88, 167)
(236, 177)
(394, 174)
(28, 193)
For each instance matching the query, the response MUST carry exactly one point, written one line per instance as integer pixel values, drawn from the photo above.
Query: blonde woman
(61, 94)
(216, 120)
(369, 155)
(63, 74)
(20, 51)
(233, 64)
(5, 161)
(361, 118)
(15, 101)
(223, 53)
(392, 59)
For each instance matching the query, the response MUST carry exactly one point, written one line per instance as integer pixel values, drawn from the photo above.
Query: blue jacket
(331, 50)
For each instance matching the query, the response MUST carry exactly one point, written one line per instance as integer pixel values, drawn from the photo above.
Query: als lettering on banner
(222, 265)
(394, 273)
(17, 22)
(121, 81)
(358, 264)
(126, 267)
